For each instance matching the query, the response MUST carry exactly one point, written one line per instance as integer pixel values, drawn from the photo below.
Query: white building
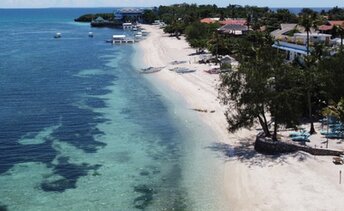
(291, 50)
(296, 46)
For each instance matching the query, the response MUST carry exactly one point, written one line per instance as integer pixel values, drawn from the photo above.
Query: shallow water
(82, 130)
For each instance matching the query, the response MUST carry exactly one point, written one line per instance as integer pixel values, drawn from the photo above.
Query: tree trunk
(309, 102)
(266, 123)
(264, 126)
(274, 136)
(307, 43)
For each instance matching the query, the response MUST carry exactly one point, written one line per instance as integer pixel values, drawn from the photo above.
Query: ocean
(297, 10)
(81, 129)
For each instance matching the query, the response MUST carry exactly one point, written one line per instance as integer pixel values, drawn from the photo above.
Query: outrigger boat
(151, 70)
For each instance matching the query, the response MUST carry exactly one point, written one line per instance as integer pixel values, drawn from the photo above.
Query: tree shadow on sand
(245, 153)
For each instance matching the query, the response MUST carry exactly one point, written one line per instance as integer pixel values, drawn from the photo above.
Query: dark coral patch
(3, 207)
(146, 197)
(70, 174)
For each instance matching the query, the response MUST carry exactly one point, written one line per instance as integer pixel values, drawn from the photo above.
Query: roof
(337, 23)
(99, 19)
(118, 36)
(233, 27)
(209, 20)
(325, 27)
(239, 21)
(290, 48)
(330, 24)
(234, 22)
(286, 27)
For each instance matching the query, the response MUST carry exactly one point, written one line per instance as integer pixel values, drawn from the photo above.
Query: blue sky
(130, 3)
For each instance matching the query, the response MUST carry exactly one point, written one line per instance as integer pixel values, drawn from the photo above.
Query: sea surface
(81, 129)
(297, 10)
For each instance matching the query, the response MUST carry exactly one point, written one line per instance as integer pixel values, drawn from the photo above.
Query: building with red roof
(210, 20)
(239, 21)
(327, 28)
(227, 21)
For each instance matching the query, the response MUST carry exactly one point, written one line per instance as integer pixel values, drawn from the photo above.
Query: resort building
(292, 51)
(292, 39)
(230, 26)
(233, 29)
(129, 14)
(297, 45)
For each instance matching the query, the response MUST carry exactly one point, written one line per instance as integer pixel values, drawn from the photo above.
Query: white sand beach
(251, 181)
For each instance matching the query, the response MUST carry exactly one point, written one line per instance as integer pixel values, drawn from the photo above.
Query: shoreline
(198, 155)
(250, 181)
(196, 90)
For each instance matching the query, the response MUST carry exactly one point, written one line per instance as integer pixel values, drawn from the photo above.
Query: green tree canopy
(149, 16)
(197, 33)
(263, 85)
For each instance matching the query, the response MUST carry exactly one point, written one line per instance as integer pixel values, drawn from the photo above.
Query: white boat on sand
(151, 70)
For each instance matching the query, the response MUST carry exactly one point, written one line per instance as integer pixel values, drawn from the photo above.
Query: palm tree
(309, 20)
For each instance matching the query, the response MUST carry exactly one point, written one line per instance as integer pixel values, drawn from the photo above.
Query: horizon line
(104, 7)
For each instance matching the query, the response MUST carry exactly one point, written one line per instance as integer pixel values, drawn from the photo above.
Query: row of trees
(335, 13)
(265, 84)
(304, 89)
(182, 15)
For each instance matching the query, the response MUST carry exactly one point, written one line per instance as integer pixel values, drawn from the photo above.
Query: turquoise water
(82, 130)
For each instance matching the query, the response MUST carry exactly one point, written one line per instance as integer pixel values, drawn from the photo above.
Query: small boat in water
(57, 35)
(90, 34)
